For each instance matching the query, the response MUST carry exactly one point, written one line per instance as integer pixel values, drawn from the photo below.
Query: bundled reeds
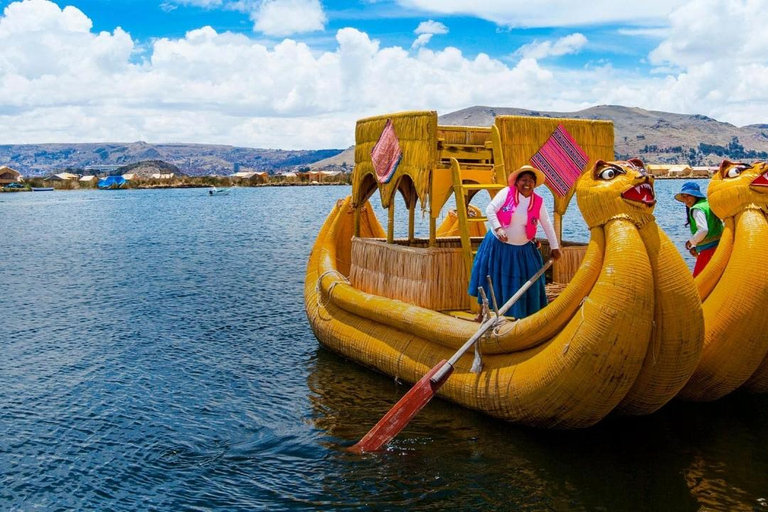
(521, 137)
(430, 277)
(470, 135)
(417, 136)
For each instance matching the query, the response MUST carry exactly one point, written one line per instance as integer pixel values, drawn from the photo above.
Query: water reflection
(686, 457)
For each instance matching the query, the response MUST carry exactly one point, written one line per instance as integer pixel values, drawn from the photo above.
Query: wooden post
(356, 218)
(391, 222)
(432, 230)
(411, 222)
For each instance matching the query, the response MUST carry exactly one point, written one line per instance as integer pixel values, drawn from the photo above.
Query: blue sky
(298, 73)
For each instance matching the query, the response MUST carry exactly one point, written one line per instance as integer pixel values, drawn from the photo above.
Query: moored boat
(213, 191)
(396, 305)
(734, 287)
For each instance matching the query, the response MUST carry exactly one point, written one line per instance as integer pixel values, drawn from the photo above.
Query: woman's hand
(555, 254)
(501, 234)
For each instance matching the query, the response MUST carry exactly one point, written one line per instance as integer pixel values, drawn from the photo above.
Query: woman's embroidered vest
(510, 205)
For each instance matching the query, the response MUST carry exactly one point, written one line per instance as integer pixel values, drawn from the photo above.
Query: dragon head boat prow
(737, 186)
(621, 189)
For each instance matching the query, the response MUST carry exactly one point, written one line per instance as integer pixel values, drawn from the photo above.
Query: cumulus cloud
(553, 13)
(563, 46)
(286, 17)
(426, 30)
(718, 51)
(62, 82)
(431, 27)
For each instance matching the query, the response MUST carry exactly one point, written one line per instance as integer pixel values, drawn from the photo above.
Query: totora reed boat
(734, 287)
(624, 332)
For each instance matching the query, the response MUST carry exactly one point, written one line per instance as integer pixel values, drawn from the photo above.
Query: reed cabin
(410, 154)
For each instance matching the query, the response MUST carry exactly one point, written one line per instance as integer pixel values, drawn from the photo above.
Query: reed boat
(624, 332)
(734, 287)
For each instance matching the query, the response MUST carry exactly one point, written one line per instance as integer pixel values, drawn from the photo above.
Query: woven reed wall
(521, 137)
(571, 256)
(570, 260)
(430, 277)
(417, 136)
(473, 135)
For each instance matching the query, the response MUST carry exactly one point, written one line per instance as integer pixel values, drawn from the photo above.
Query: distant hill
(656, 137)
(147, 168)
(344, 161)
(191, 159)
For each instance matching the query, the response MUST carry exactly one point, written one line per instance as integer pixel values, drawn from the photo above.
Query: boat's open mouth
(642, 193)
(761, 181)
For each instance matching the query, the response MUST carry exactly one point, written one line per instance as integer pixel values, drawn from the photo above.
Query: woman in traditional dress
(509, 253)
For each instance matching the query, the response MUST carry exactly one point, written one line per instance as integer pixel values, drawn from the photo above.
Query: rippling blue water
(156, 356)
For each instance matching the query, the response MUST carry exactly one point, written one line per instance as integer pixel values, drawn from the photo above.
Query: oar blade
(403, 412)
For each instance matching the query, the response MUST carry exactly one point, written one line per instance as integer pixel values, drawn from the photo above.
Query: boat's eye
(734, 171)
(609, 173)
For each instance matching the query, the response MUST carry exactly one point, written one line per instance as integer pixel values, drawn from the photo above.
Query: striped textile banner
(386, 154)
(561, 160)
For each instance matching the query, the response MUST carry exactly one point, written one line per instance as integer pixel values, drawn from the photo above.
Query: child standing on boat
(706, 228)
(509, 253)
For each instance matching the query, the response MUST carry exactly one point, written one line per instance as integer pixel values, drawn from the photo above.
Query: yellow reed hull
(568, 376)
(734, 287)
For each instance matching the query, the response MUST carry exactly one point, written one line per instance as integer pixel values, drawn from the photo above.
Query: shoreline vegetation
(219, 182)
(184, 182)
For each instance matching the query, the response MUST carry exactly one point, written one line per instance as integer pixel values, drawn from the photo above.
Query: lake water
(155, 355)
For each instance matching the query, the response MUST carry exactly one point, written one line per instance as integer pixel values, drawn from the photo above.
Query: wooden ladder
(462, 193)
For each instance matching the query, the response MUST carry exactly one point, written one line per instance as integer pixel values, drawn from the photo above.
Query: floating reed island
(626, 329)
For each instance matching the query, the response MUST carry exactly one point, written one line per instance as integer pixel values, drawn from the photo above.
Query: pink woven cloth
(386, 154)
(561, 160)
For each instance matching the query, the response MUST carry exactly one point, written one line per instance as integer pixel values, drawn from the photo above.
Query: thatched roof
(8, 175)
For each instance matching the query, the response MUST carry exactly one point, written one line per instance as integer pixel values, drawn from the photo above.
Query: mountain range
(656, 137)
(191, 159)
(653, 136)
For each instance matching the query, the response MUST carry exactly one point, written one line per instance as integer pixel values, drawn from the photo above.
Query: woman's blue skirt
(509, 266)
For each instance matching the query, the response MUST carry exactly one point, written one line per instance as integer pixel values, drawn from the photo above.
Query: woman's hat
(690, 188)
(540, 178)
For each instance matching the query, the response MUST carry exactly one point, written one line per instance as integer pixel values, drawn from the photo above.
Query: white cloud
(431, 27)
(208, 4)
(422, 40)
(41, 41)
(62, 82)
(563, 46)
(286, 17)
(426, 30)
(710, 30)
(654, 33)
(552, 13)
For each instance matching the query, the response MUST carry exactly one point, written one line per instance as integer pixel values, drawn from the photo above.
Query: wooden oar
(423, 391)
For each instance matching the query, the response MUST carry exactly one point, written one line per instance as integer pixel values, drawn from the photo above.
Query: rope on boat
(330, 288)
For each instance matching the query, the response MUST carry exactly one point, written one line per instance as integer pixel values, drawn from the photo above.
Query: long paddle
(423, 391)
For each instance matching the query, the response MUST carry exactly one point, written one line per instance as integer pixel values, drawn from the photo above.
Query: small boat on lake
(213, 191)
(625, 330)
(42, 189)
